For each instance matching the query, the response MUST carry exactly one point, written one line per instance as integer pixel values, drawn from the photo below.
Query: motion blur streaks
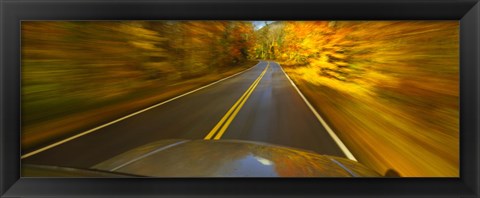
(69, 67)
(389, 88)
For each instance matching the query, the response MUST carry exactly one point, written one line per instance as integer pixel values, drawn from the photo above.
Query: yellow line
(233, 111)
(225, 126)
(219, 124)
(212, 132)
(128, 116)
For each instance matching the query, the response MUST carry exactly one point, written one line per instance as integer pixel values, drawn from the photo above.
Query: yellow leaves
(122, 56)
(135, 29)
(143, 45)
(375, 54)
(374, 78)
(392, 85)
(322, 64)
(310, 74)
(341, 63)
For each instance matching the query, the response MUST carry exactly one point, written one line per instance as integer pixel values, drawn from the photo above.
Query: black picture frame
(14, 11)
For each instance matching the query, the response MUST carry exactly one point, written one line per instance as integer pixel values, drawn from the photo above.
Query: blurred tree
(86, 62)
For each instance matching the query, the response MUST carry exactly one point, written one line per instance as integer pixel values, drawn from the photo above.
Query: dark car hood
(229, 158)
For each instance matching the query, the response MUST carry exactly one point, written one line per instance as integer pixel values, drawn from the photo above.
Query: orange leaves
(403, 74)
(372, 53)
(96, 61)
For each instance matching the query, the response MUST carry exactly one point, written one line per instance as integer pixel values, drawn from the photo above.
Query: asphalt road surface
(260, 104)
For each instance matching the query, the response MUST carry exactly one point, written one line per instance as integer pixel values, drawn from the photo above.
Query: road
(260, 104)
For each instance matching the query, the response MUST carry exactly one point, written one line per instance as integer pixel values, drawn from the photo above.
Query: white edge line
(148, 154)
(343, 167)
(325, 125)
(130, 115)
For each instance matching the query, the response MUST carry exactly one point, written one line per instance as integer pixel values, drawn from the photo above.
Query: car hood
(229, 158)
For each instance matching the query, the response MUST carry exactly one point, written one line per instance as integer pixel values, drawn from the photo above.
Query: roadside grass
(57, 118)
(412, 135)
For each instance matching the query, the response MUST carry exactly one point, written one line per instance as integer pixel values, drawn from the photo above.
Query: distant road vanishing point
(260, 104)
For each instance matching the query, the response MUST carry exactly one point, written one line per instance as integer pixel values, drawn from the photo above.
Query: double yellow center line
(222, 126)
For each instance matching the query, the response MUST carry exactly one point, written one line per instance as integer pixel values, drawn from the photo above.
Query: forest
(390, 89)
(72, 71)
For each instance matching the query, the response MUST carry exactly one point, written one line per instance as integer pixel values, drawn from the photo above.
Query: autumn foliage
(79, 74)
(86, 63)
(389, 88)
